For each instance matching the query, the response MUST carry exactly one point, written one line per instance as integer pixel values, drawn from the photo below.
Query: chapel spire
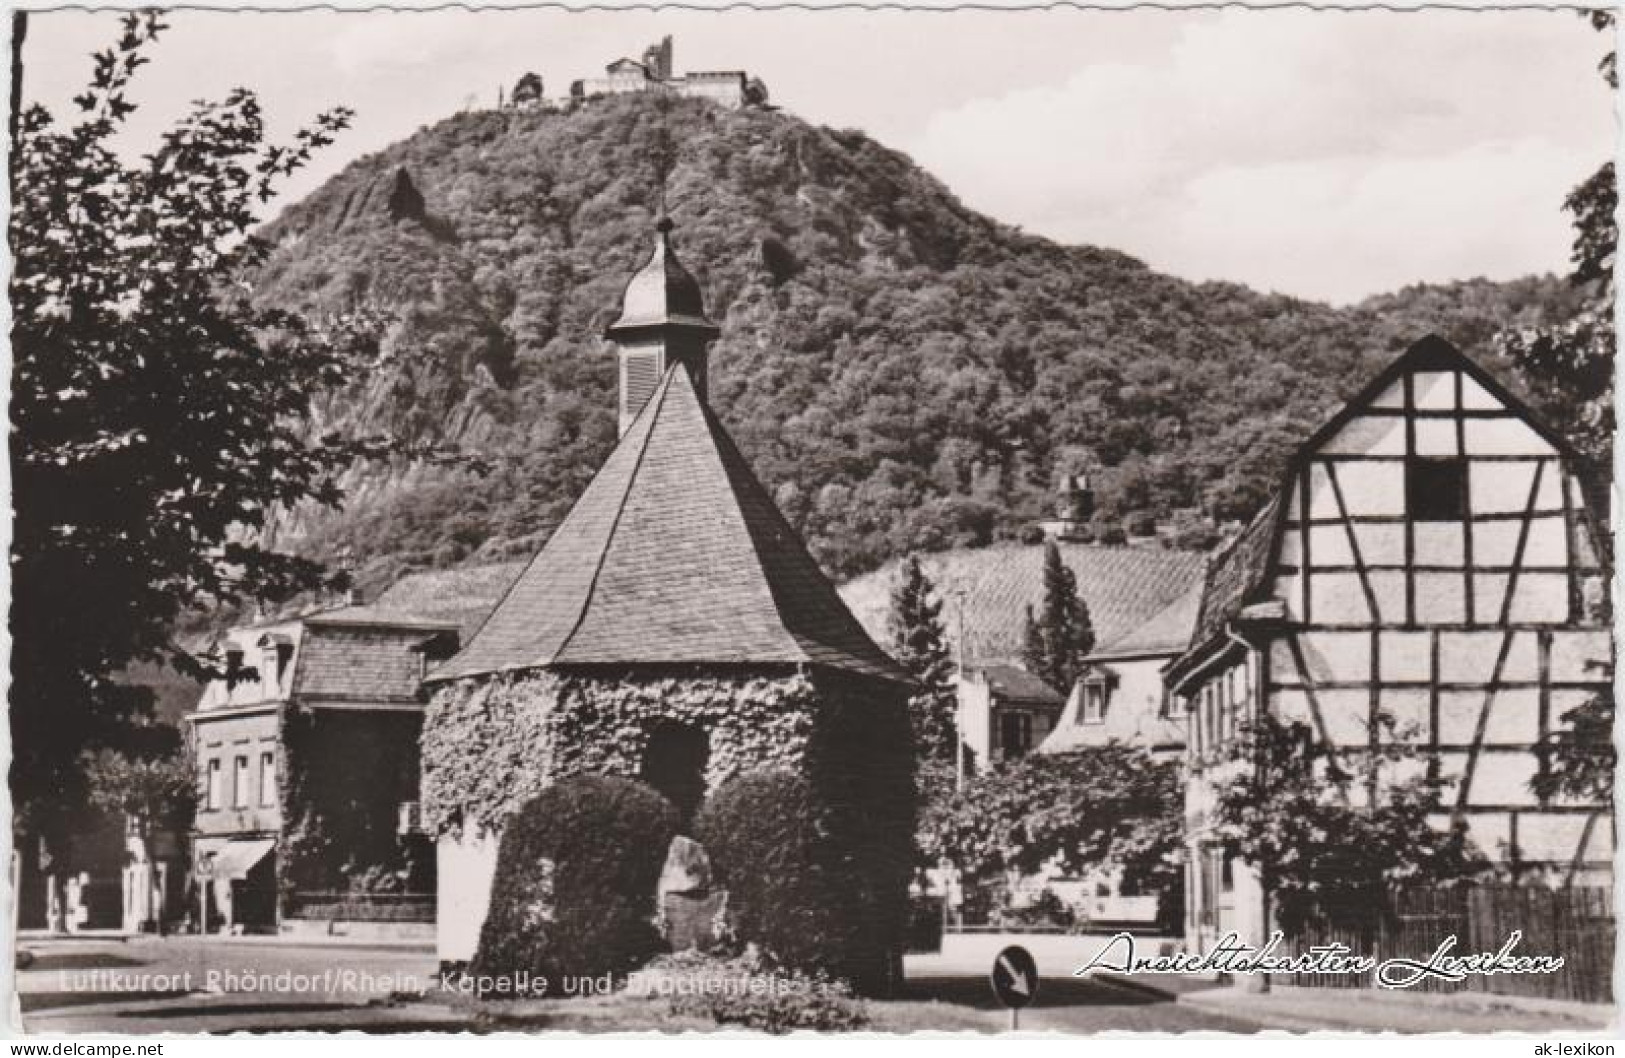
(662, 322)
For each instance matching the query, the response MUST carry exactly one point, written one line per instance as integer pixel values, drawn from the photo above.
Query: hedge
(574, 890)
(803, 884)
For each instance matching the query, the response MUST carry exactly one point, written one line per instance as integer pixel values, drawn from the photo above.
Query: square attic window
(1436, 489)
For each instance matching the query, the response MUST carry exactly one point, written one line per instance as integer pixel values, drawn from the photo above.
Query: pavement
(1294, 1009)
(149, 985)
(146, 985)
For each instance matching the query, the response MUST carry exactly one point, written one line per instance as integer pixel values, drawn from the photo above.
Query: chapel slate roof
(674, 555)
(1124, 587)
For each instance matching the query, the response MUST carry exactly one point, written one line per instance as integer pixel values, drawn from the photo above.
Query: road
(1072, 1004)
(190, 984)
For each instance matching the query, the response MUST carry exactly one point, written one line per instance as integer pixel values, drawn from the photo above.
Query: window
(234, 666)
(267, 779)
(1436, 489)
(211, 797)
(1015, 733)
(239, 783)
(1094, 703)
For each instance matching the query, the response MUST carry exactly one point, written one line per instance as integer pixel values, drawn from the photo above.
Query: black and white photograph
(773, 521)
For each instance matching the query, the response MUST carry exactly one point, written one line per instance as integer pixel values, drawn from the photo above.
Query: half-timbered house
(1430, 566)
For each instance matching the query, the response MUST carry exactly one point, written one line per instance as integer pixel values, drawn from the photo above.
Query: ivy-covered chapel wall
(490, 744)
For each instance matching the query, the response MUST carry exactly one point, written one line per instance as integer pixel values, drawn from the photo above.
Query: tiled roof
(1236, 574)
(377, 616)
(674, 554)
(357, 662)
(1166, 631)
(463, 597)
(1015, 684)
(1124, 587)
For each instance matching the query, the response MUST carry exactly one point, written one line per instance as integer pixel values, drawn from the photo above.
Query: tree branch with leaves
(159, 415)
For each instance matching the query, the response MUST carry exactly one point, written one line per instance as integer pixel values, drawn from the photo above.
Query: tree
(152, 791)
(1580, 754)
(158, 414)
(527, 90)
(920, 644)
(1318, 833)
(1107, 808)
(1062, 635)
(1575, 361)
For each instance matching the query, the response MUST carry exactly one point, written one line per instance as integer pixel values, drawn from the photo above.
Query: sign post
(1015, 981)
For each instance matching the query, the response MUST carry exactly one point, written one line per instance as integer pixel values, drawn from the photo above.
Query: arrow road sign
(1014, 977)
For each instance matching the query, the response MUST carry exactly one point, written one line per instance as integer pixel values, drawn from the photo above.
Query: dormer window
(1094, 703)
(1094, 688)
(276, 658)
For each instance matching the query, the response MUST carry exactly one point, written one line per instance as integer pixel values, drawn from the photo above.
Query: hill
(903, 372)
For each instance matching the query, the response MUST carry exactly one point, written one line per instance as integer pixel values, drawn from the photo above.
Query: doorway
(674, 764)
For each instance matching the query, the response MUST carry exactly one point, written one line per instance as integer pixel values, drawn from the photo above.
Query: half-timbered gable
(1430, 570)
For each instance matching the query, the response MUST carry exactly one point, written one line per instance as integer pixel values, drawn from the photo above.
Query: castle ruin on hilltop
(656, 73)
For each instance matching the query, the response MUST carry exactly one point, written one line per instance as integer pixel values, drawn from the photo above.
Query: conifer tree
(1061, 635)
(920, 644)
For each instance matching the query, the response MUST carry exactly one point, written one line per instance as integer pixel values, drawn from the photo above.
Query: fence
(362, 907)
(1575, 923)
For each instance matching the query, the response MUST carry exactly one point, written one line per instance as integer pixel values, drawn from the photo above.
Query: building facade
(673, 629)
(1005, 712)
(307, 757)
(1121, 696)
(1430, 570)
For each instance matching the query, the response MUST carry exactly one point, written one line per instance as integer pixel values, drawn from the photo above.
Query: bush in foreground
(574, 890)
(799, 878)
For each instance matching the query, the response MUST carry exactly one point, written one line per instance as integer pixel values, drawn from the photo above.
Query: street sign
(1014, 979)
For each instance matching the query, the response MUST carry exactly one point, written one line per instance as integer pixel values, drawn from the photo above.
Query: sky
(1330, 155)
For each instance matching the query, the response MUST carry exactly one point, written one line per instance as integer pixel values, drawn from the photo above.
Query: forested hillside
(902, 372)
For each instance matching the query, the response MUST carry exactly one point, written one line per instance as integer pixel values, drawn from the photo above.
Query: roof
(376, 616)
(674, 554)
(1133, 717)
(1237, 573)
(662, 294)
(463, 597)
(1124, 587)
(361, 662)
(1168, 631)
(1014, 684)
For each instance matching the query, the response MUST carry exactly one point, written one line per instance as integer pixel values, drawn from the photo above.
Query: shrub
(797, 876)
(574, 890)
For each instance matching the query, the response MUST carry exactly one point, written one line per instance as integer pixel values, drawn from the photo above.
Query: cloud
(1326, 155)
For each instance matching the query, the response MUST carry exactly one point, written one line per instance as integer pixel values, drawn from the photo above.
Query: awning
(237, 857)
